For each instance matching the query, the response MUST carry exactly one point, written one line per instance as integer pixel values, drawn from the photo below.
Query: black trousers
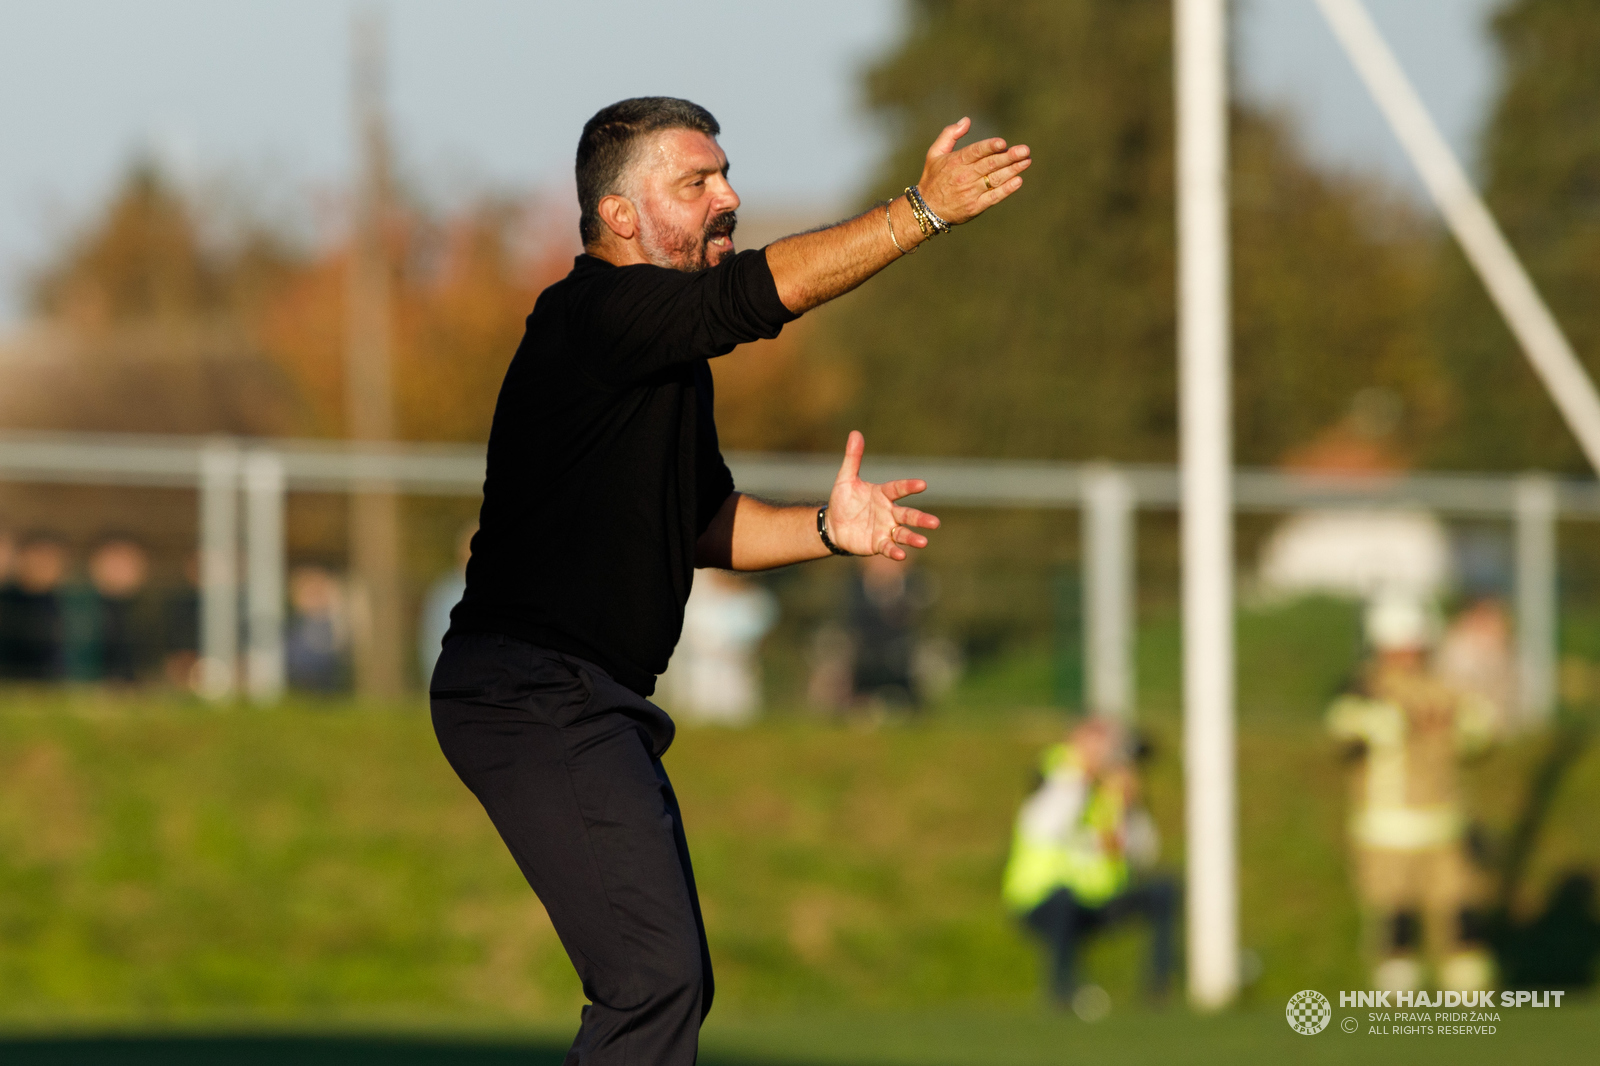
(567, 763)
(1063, 923)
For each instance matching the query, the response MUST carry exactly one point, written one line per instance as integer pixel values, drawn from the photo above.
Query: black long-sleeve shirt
(603, 461)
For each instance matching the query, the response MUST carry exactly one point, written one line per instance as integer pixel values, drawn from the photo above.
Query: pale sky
(492, 93)
(1286, 55)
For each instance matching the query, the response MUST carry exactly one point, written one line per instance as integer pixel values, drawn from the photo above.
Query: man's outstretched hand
(961, 185)
(958, 185)
(867, 519)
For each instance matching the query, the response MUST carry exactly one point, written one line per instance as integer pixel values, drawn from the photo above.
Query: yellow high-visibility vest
(1065, 837)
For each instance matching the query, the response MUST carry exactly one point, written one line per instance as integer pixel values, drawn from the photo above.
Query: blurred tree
(1541, 173)
(177, 313)
(1046, 329)
(143, 323)
(463, 286)
(142, 261)
(1332, 274)
(461, 323)
(148, 321)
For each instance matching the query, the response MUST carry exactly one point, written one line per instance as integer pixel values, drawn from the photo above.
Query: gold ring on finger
(986, 184)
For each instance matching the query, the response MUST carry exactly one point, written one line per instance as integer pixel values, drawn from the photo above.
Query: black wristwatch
(822, 531)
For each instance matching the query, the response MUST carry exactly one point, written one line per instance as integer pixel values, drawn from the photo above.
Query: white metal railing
(156, 461)
(258, 473)
(1033, 483)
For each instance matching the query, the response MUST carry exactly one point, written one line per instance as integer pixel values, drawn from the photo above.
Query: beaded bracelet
(923, 223)
(938, 225)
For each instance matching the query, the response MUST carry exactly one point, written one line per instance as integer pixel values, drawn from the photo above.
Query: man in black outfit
(605, 489)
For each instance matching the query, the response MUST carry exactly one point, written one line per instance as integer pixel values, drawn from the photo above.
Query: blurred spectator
(1476, 656)
(8, 558)
(108, 639)
(874, 658)
(831, 683)
(1405, 731)
(884, 603)
(1483, 561)
(180, 628)
(1079, 840)
(1356, 552)
(936, 666)
(714, 675)
(319, 631)
(443, 595)
(30, 611)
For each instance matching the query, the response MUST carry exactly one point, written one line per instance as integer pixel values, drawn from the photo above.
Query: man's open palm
(960, 184)
(867, 519)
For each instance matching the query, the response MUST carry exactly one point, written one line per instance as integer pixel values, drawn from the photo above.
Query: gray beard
(674, 249)
(677, 249)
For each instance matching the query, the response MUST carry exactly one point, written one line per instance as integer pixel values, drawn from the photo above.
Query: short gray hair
(607, 147)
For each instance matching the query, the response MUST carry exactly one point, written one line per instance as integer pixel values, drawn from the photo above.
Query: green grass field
(960, 1038)
(316, 872)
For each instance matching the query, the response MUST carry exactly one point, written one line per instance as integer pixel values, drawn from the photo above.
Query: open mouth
(719, 234)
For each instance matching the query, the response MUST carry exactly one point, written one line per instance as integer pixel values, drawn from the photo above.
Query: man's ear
(619, 215)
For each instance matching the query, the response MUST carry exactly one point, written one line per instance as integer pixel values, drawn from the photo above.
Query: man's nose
(726, 198)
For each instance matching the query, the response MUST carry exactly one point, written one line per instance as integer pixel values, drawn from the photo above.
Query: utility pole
(1205, 432)
(369, 395)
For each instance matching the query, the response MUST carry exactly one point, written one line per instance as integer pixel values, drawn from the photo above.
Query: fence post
(1536, 512)
(1108, 591)
(264, 574)
(219, 569)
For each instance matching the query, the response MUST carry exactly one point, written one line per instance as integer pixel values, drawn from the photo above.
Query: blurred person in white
(319, 631)
(110, 639)
(31, 645)
(441, 598)
(1476, 656)
(1405, 732)
(714, 675)
(1083, 857)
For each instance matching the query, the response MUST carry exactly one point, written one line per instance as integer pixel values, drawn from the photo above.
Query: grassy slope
(163, 863)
